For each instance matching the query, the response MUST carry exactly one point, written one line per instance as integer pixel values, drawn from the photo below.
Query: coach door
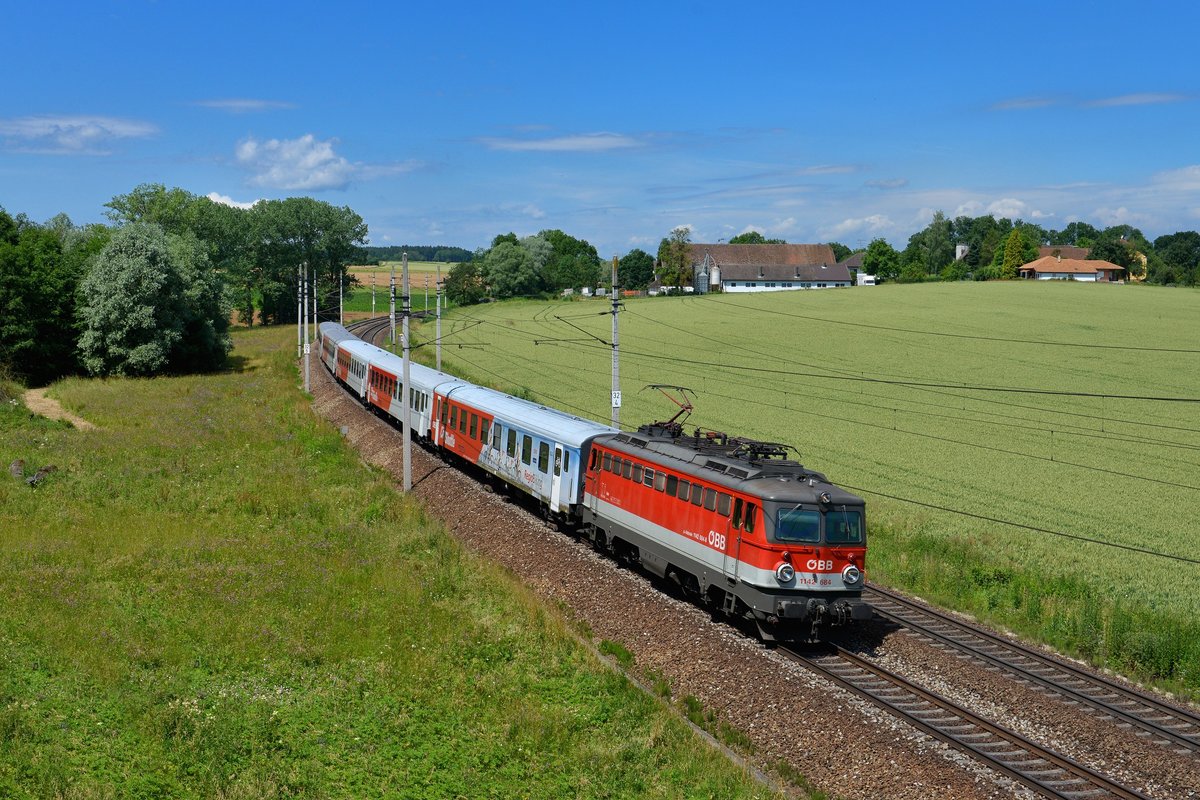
(557, 479)
(733, 539)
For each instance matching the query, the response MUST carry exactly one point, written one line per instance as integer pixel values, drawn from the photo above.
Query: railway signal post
(405, 399)
(616, 353)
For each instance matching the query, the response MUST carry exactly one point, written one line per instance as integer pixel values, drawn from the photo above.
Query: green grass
(1122, 471)
(214, 597)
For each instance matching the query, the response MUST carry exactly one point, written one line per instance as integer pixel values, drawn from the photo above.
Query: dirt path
(37, 402)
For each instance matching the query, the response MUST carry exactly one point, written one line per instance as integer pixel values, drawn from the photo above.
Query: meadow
(906, 394)
(214, 597)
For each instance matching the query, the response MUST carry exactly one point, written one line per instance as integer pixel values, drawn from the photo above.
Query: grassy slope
(1093, 467)
(214, 597)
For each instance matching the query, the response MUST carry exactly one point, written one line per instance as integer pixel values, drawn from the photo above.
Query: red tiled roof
(786, 254)
(1072, 266)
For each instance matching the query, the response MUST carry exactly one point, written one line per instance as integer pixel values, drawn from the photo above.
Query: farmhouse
(1057, 268)
(765, 267)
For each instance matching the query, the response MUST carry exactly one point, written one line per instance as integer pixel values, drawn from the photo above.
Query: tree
(464, 284)
(1178, 259)
(572, 264)
(840, 251)
(881, 260)
(37, 299)
(636, 269)
(754, 237)
(152, 302)
(1014, 256)
(930, 249)
(510, 270)
(295, 231)
(675, 257)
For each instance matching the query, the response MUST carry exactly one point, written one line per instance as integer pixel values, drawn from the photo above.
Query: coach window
(543, 457)
(723, 501)
(737, 513)
(512, 442)
(751, 515)
(697, 494)
(672, 485)
(483, 430)
(526, 449)
(462, 422)
(685, 491)
(615, 468)
(637, 473)
(606, 462)
(496, 438)
(566, 461)
(660, 481)
(626, 469)
(648, 477)
(453, 417)
(443, 405)
(474, 426)
(710, 499)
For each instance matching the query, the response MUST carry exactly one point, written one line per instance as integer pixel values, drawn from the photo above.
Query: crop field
(422, 276)
(212, 596)
(954, 409)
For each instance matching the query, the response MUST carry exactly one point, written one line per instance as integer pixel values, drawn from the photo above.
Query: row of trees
(155, 290)
(418, 252)
(997, 248)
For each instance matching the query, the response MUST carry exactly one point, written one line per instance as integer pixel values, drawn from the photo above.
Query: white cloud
(873, 224)
(244, 105)
(579, 143)
(303, 163)
(971, 208)
(889, 183)
(1007, 207)
(71, 135)
(1120, 216)
(1184, 179)
(752, 228)
(226, 200)
(1141, 99)
(306, 164)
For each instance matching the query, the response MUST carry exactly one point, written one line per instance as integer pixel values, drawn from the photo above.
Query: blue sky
(448, 123)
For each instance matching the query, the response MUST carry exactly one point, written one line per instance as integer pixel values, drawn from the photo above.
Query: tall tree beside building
(1014, 256)
(636, 269)
(881, 260)
(675, 258)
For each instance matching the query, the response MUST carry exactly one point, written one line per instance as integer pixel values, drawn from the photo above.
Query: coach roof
(548, 423)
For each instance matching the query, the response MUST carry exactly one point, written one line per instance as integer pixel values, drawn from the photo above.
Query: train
(734, 523)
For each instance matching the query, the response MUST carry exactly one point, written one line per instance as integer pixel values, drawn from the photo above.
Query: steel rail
(1173, 726)
(1042, 770)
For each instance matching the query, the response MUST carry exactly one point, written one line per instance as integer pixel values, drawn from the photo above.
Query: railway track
(1158, 721)
(1005, 751)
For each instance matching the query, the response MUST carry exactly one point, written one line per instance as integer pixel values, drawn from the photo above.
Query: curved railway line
(1165, 725)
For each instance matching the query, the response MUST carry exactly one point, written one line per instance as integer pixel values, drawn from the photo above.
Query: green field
(819, 370)
(422, 276)
(213, 597)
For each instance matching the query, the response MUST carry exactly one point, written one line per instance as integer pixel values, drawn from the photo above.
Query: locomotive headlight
(852, 576)
(784, 572)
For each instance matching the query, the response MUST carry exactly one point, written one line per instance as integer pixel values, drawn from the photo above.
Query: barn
(765, 267)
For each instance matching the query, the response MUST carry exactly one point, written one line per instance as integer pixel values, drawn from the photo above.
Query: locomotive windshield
(843, 527)
(805, 525)
(798, 525)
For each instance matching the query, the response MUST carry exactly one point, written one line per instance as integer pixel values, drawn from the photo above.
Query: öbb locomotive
(733, 522)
